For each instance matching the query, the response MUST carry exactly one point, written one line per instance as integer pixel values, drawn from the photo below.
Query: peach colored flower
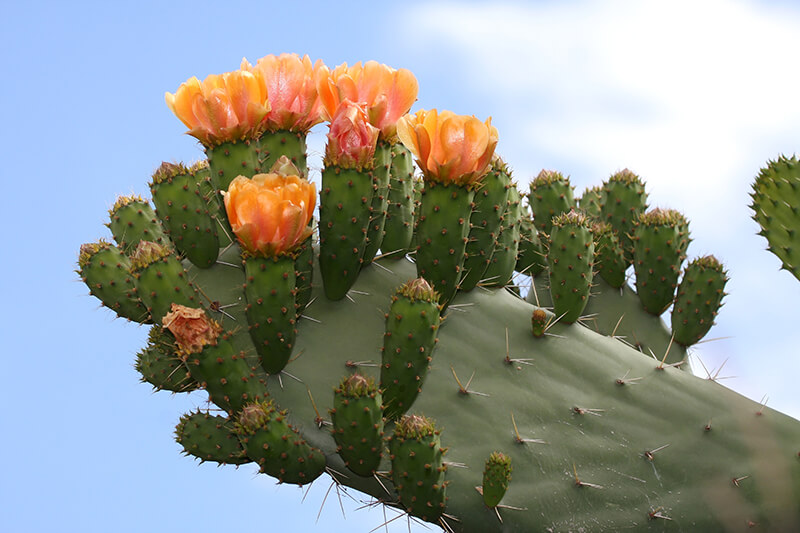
(351, 139)
(388, 93)
(449, 148)
(292, 89)
(223, 107)
(270, 213)
(192, 328)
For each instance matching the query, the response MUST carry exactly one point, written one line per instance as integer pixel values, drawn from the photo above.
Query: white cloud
(693, 96)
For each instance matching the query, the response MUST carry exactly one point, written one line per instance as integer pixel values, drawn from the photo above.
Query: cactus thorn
(519, 439)
(737, 480)
(510, 361)
(579, 483)
(465, 389)
(650, 454)
(625, 380)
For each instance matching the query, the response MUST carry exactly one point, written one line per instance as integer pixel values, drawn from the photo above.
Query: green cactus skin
(228, 375)
(357, 419)
(160, 280)
(183, 209)
(442, 231)
(591, 202)
(699, 298)
(496, 477)
(411, 326)
(270, 288)
(399, 225)
(776, 200)
(107, 273)
(133, 221)
(228, 160)
(624, 199)
(418, 468)
(504, 259)
(344, 211)
(491, 202)
(380, 200)
(657, 257)
(160, 365)
(276, 446)
(609, 256)
(570, 258)
(531, 256)
(551, 194)
(576, 367)
(210, 438)
(273, 144)
(304, 273)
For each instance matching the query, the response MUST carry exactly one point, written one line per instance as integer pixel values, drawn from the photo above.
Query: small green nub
(276, 446)
(160, 366)
(551, 194)
(132, 220)
(658, 241)
(539, 322)
(210, 438)
(609, 256)
(496, 476)
(107, 273)
(699, 298)
(358, 424)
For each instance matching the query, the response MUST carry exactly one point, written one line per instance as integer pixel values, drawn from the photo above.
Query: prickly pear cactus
(603, 423)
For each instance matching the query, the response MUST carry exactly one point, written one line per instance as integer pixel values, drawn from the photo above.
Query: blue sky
(694, 98)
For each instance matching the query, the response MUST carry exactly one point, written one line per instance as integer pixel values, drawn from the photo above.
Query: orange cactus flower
(223, 107)
(270, 213)
(292, 89)
(388, 93)
(449, 148)
(351, 139)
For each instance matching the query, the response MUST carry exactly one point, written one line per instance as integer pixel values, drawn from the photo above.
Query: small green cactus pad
(399, 226)
(230, 377)
(182, 196)
(570, 258)
(699, 298)
(490, 203)
(531, 256)
(540, 320)
(344, 211)
(357, 419)
(107, 273)
(160, 280)
(160, 365)
(776, 208)
(210, 438)
(657, 257)
(591, 202)
(380, 200)
(442, 231)
(609, 256)
(496, 476)
(418, 469)
(228, 160)
(623, 200)
(504, 259)
(270, 287)
(274, 144)
(276, 446)
(132, 221)
(551, 194)
(411, 326)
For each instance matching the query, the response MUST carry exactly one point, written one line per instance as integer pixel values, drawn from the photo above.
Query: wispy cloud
(693, 96)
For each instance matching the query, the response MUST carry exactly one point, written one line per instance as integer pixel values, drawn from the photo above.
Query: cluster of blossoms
(365, 104)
